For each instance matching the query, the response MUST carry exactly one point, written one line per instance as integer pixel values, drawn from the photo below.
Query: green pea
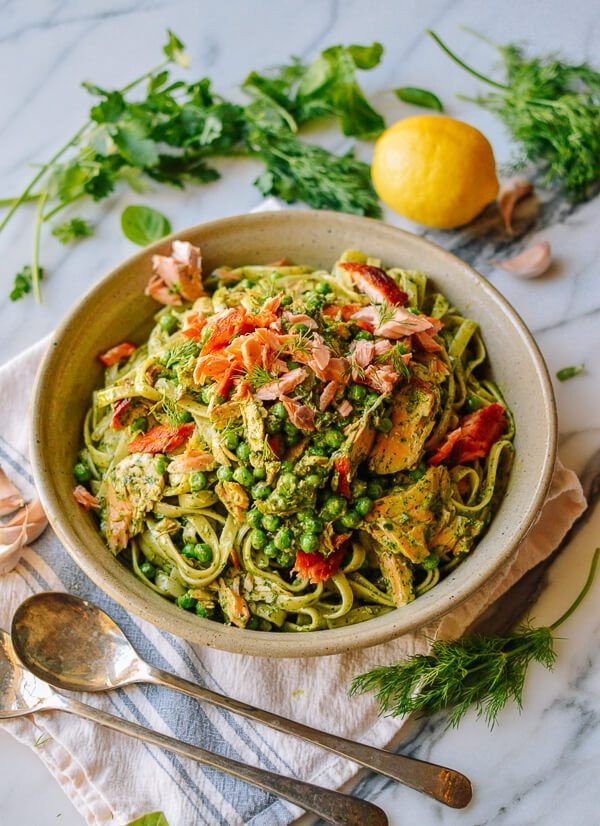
(202, 610)
(287, 466)
(270, 550)
(148, 570)
(204, 552)
(261, 490)
(363, 505)
(224, 473)
(278, 410)
(243, 452)
(430, 562)
(283, 539)
(313, 480)
(258, 539)
(285, 559)
(271, 522)
(278, 502)
(374, 489)
(300, 328)
(160, 463)
(139, 424)
(290, 429)
(184, 416)
(333, 438)
(293, 365)
(254, 518)
(82, 472)
(313, 524)
(322, 288)
(334, 507)
(230, 440)
(243, 476)
(352, 519)
(364, 335)
(358, 488)
(168, 322)
(287, 300)
(259, 473)
(385, 425)
(198, 480)
(287, 482)
(309, 542)
(357, 392)
(253, 624)
(292, 439)
(272, 425)
(189, 550)
(187, 602)
(317, 450)
(371, 398)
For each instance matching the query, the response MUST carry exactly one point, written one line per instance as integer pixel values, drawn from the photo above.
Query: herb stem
(464, 65)
(51, 213)
(582, 593)
(35, 263)
(6, 202)
(26, 194)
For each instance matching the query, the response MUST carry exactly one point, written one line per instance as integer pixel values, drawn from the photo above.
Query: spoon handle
(333, 807)
(445, 785)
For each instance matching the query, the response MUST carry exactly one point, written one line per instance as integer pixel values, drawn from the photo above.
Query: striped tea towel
(112, 779)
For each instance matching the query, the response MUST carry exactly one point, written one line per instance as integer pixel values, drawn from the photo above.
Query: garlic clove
(532, 262)
(511, 192)
(10, 497)
(23, 527)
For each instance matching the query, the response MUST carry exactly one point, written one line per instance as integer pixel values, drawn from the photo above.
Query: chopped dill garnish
(182, 354)
(258, 377)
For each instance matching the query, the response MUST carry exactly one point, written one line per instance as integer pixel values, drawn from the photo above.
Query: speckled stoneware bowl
(117, 309)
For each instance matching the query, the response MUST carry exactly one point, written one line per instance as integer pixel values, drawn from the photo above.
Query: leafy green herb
(419, 97)
(297, 93)
(73, 230)
(552, 108)
(183, 354)
(566, 373)
(297, 171)
(170, 133)
(479, 671)
(143, 225)
(258, 377)
(152, 819)
(22, 283)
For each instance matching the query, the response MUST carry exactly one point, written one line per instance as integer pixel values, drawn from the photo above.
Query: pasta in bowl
(176, 530)
(292, 448)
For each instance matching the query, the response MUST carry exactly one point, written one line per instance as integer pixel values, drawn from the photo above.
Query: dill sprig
(259, 376)
(479, 671)
(552, 108)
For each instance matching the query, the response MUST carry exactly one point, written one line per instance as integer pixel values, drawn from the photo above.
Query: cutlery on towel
(23, 693)
(72, 644)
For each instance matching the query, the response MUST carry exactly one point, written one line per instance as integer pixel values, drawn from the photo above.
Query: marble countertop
(538, 767)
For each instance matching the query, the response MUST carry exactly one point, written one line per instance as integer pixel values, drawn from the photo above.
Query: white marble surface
(539, 767)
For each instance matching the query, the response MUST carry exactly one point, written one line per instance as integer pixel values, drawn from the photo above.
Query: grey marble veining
(539, 767)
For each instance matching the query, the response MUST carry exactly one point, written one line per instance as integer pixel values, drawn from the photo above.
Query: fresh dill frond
(259, 376)
(477, 671)
(181, 355)
(394, 357)
(386, 312)
(552, 108)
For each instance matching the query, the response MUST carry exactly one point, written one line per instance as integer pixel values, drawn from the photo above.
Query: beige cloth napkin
(111, 779)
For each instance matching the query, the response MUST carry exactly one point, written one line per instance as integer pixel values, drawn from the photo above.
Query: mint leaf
(143, 225)
(73, 230)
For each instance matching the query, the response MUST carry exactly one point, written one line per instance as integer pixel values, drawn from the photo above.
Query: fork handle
(333, 807)
(445, 785)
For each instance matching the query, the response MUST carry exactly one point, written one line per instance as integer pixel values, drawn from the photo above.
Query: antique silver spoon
(21, 692)
(72, 644)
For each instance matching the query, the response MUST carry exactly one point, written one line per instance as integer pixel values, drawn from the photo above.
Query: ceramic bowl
(117, 309)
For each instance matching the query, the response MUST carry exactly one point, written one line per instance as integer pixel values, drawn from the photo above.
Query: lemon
(434, 170)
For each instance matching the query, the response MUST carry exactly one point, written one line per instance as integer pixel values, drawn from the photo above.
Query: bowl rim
(279, 644)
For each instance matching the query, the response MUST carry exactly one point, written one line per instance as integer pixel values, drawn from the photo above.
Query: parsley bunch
(483, 672)
(172, 133)
(552, 109)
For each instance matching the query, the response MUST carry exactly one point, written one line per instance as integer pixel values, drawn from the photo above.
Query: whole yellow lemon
(434, 170)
